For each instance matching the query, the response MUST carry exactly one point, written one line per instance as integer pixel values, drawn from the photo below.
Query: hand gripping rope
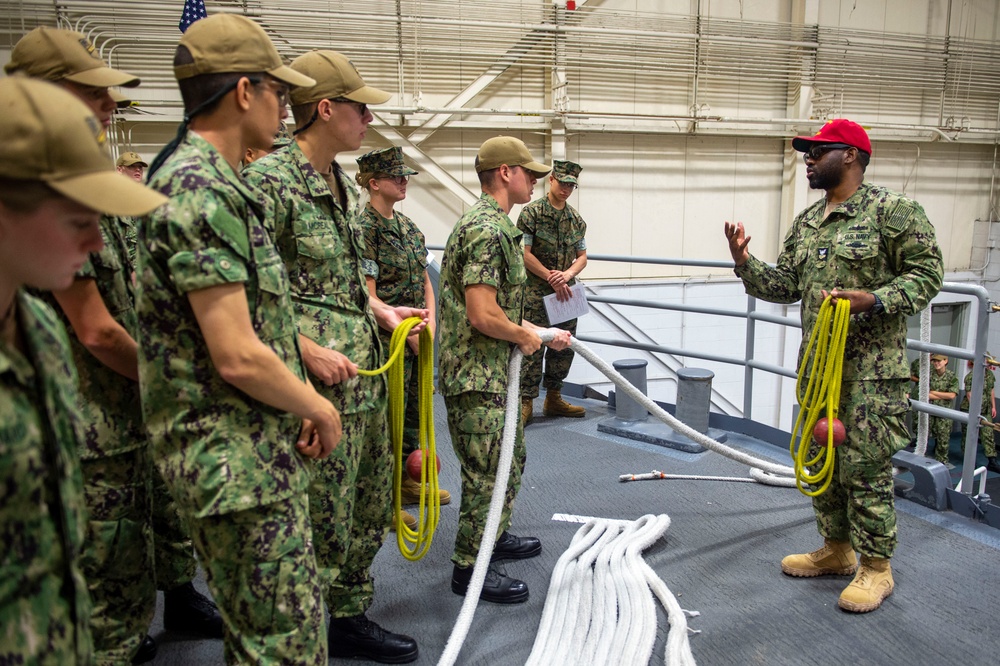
(413, 544)
(823, 364)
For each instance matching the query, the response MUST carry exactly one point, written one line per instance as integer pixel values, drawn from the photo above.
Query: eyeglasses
(399, 180)
(818, 151)
(279, 89)
(362, 109)
(566, 186)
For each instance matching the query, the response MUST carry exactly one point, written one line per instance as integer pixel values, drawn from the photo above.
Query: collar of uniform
(315, 182)
(15, 361)
(508, 227)
(848, 208)
(215, 160)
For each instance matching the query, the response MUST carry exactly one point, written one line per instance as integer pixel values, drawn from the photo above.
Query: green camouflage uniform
(939, 427)
(173, 550)
(555, 237)
(882, 242)
(396, 258)
(986, 442)
(484, 248)
(117, 551)
(228, 460)
(44, 604)
(350, 497)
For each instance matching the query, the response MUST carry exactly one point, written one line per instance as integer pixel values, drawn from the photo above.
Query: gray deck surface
(720, 557)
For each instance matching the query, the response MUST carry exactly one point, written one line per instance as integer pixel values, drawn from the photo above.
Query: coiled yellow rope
(823, 363)
(413, 544)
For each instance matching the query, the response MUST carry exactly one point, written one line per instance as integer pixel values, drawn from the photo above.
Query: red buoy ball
(415, 462)
(821, 432)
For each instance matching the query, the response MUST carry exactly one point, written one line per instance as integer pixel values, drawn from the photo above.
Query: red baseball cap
(839, 130)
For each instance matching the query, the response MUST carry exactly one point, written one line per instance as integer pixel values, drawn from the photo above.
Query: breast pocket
(858, 262)
(319, 258)
(273, 317)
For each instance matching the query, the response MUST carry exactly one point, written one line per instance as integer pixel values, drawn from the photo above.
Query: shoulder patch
(900, 216)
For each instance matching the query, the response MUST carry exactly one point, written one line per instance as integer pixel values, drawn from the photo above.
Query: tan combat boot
(556, 406)
(834, 558)
(527, 409)
(410, 492)
(408, 519)
(869, 588)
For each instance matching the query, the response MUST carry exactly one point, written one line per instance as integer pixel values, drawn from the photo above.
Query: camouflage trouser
(117, 558)
(40, 622)
(940, 429)
(350, 503)
(476, 422)
(261, 570)
(858, 505)
(173, 551)
(986, 442)
(557, 363)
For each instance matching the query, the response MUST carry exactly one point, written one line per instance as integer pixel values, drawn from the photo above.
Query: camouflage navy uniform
(44, 604)
(173, 550)
(940, 428)
(555, 237)
(986, 442)
(228, 460)
(882, 242)
(117, 555)
(396, 258)
(322, 247)
(484, 248)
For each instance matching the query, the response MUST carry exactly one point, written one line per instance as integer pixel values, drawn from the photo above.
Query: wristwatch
(878, 307)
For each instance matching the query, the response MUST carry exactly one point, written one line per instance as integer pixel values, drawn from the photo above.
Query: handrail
(751, 364)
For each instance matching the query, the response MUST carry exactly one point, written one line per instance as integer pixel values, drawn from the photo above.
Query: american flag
(193, 10)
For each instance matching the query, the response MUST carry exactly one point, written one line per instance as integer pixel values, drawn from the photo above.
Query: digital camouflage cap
(565, 171)
(385, 160)
(52, 137)
(54, 54)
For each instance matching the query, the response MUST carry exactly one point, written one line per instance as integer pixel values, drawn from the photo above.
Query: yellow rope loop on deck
(413, 544)
(823, 365)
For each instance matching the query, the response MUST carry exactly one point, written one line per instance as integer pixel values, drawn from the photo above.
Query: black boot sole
(379, 658)
(460, 590)
(516, 556)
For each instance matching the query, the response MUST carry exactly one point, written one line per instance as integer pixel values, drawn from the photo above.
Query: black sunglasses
(818, 151)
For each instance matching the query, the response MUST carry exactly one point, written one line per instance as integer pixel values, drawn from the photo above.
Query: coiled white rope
(599, 609)
(761, 470)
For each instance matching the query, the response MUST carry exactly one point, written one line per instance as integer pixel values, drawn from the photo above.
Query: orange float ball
(821, 432)
(415, 462)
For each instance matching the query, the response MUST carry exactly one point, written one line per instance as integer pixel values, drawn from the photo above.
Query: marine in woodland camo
(881, 242)
(986, 438)
(555, 237)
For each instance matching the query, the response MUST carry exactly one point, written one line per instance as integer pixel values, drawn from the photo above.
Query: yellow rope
(413, 544)
(823, 363)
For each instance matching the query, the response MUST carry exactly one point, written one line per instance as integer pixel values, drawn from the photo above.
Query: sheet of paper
(560, 311)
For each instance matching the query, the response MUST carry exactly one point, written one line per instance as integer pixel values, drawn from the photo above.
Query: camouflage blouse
(554, 236)
(322, 247)
(395, 257)
(483, 248)
(218, 449)
(877, 241)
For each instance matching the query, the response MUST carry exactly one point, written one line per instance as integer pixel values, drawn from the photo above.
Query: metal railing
(752, 316)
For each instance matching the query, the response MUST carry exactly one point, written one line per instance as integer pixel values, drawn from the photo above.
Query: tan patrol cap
(54, 54)
(130, 159)
(121, 101)
(510, 151)
(233, 44)
(52, 137)
(336, 76)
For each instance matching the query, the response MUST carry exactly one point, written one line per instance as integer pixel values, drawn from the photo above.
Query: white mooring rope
(618, 596)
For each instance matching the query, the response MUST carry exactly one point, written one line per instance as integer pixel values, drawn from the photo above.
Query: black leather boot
(188, 611)
(511, 547)
(360, 637)
(498, 587)
(146, 652)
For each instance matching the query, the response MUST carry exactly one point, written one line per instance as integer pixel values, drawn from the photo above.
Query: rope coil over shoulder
(413, 544)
